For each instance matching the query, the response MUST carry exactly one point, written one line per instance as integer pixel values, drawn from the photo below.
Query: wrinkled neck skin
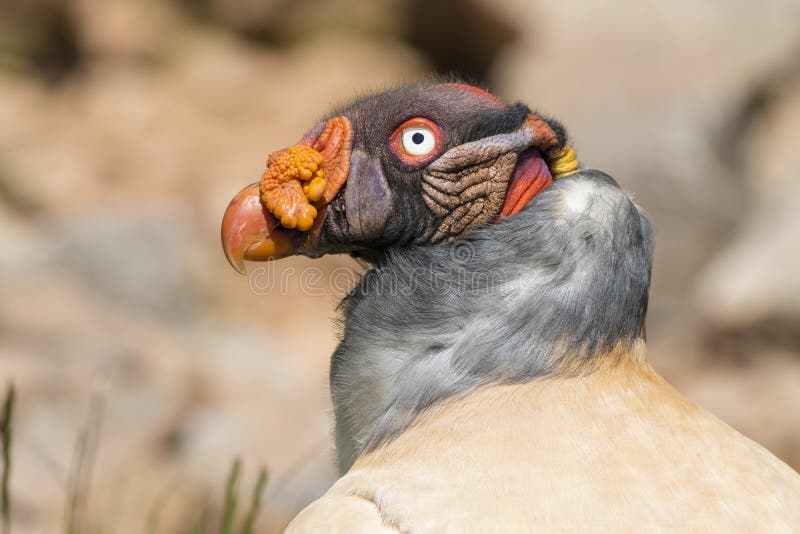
(560, 288)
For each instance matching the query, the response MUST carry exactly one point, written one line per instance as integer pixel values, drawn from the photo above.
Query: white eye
(418, 140)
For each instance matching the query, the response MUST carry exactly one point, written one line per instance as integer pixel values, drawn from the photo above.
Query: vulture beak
(251, 227)
(250, 232)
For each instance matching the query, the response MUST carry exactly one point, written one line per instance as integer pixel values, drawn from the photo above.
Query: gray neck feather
(555, 287)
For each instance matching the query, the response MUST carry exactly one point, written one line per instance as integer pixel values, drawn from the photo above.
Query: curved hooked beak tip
(250, 232)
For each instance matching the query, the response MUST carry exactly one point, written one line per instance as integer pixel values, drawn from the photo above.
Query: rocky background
(144, 364)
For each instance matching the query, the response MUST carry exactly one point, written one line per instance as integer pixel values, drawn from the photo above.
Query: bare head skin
(419, 164)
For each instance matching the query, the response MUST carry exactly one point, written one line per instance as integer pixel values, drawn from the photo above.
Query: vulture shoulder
(612, 450)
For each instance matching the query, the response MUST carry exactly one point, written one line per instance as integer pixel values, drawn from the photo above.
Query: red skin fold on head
(531, 177)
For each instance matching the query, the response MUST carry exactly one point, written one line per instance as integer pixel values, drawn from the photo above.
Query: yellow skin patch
(563, 163)
(293, 179)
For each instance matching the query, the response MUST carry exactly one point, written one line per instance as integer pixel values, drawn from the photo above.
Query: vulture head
(419, 164)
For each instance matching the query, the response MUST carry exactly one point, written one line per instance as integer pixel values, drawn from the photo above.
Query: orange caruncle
(293, 179)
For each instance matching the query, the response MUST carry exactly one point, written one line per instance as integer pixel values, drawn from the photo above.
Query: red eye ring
(396, 141)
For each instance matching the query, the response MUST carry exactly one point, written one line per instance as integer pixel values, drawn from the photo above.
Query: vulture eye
(416, 140)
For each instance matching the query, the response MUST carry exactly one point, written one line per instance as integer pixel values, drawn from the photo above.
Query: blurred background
(144, 364)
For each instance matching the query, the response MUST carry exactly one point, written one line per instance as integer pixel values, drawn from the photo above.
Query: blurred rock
(287, 22)
(104, 28)
(137, 261)
(756, 279)
(39, 37)
(469, 48)
(752, 286)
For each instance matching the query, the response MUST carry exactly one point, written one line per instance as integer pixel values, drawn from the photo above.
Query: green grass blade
(80, 472)
(201, 519)
(229, 508)
(255, 502)
(5, 445)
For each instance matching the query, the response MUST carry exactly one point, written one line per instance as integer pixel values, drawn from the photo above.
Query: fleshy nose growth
(293, 179)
